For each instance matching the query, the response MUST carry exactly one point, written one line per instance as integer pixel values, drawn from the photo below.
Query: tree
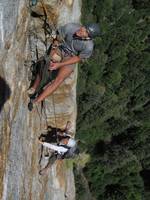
(114, 100)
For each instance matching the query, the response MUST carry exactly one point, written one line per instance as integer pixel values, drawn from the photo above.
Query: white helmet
(71, 142)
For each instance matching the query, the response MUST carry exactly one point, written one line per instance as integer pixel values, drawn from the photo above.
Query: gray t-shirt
(81, 48)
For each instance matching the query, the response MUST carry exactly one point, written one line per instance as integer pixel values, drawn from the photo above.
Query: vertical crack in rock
(20, 37)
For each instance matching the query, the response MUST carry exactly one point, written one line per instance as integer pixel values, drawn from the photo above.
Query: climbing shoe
(44, 171)
(30, 105)
(46, 157)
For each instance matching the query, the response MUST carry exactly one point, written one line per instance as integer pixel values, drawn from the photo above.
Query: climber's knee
(64, 72)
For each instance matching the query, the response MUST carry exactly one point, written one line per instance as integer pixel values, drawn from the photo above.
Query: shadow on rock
(4, 92)
(52, 135)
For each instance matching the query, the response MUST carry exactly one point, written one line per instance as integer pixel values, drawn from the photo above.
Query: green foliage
(114, 100)
(117, 167)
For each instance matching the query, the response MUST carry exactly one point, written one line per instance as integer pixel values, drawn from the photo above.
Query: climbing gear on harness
(93, 29)
(47, 20)
(66, 50)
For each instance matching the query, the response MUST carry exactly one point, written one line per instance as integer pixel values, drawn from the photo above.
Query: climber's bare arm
(69, 61)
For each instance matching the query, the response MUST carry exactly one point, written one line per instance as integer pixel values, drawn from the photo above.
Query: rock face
(21, 37)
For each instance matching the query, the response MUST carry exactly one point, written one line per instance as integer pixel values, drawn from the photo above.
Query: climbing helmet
(71, 142)
(93, 29)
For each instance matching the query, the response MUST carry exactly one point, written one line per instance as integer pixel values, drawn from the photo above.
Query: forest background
(114, 103)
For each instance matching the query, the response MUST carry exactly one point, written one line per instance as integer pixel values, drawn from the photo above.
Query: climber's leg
(52, 160)
(36, 82)
(68, 126)
(63, 73)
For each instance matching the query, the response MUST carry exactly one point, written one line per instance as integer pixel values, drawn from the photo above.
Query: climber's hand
(54, 66)
(39, 141)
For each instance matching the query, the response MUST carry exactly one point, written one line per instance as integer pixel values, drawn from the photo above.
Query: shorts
(58, 55)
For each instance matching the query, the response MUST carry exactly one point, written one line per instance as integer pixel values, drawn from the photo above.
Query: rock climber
(65, 146)
(73, 43)
(62, 147)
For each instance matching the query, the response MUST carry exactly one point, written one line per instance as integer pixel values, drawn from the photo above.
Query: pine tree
(114, 100)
